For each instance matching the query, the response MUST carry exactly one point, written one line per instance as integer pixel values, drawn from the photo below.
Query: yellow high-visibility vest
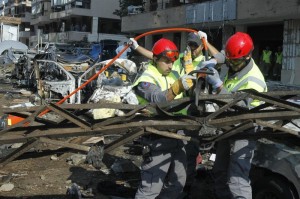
(153, 76)
(278, 57)
(178, 66)
(253, 79)
(267, 56)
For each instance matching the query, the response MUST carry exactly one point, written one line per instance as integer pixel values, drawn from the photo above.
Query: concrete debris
(5, 178)
(54, 157)
(43, 177)
(76, 159)
(74, 191)
(16, 145)
(106, 112)
(7, 187)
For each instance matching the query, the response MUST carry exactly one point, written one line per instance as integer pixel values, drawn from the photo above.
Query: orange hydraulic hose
(116, 57)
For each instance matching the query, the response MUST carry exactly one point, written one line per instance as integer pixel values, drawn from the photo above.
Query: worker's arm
(153, 93)
(217, 55)
(211, 49)
(143, 51)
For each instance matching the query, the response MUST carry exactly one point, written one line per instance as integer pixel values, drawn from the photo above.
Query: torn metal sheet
(279, 158)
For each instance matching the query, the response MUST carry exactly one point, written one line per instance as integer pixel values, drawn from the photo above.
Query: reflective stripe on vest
(248, 79)
(152, 75)
(252, 80)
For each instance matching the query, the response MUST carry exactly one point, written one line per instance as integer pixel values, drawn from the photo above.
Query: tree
(124, 5)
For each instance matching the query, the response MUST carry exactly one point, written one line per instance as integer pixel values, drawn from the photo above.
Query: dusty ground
(35, 175)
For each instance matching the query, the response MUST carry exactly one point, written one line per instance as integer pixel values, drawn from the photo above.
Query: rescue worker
(266, 64)
(187, 62)
(278, 64)
(163, 171)
(233, 157)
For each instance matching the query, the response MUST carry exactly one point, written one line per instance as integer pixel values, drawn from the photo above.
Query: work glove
(183, 83)
(214, 79)
(202, 35)
(133, 43)
(207, 64)
(188, 62)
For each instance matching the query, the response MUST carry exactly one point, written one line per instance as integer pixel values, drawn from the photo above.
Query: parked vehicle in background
(108, 49)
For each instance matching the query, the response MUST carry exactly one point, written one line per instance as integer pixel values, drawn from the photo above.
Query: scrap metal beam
(19, 151)
(69, 116)
(238, 118)
(37, 132)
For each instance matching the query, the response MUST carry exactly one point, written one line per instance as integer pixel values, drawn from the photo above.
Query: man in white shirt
(124, 54)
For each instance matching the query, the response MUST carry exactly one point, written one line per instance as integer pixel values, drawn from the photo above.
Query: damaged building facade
(275, 23)
(66, 20)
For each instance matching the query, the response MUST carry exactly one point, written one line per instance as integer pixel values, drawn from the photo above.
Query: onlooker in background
(265, 62)
(77, 27)
(277, 64)
(124, 54)
(83, 28)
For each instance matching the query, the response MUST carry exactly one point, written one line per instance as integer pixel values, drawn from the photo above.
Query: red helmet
(165, 47)
(238, 45)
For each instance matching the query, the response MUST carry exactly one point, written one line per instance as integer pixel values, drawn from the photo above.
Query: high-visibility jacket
(178, 65)
(249, 77)
(153, 76)
(267, 56)
(278, 56)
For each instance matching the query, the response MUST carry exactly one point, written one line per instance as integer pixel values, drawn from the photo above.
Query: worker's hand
(214, 79)
(133, 43)
(187, 81)
(207, 64)
(188, 62)
(202, 35)
(183, 83)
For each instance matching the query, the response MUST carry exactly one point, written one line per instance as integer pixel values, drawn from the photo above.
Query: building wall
(104, 8)
(291, 52)
(267, 10)
(170, 17)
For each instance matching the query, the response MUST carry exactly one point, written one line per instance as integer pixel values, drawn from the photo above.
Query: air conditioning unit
(132, 10)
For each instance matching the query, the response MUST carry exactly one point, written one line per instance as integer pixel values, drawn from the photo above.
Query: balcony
(69, 12)
(25, 34)
(212, 11)
(172, 16)
(42, 19)
(154, 20)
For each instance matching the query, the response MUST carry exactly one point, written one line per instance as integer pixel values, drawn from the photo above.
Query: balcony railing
(161, 5)
(67, 5)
